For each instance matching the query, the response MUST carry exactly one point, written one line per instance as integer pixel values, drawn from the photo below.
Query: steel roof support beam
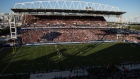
(74, 5)
(131, 20)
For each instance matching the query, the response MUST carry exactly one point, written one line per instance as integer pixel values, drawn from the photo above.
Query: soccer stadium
(69, 40)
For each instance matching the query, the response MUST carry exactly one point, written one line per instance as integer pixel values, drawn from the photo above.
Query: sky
(131, 7)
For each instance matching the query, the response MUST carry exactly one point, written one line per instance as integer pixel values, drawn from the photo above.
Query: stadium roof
(16, 10)
(79, 7)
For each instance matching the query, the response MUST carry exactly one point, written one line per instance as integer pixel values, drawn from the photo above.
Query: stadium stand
(46, 29)
(71, 28)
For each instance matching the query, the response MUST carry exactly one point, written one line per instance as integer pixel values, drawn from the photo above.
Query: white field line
(63, 61)
(12, 74)
(40, 58)
(74, 58)
(1, 49)
(47, 58)
(18, 61)
(57, 54)
(9, 62)
(27, 58)
(33, 61)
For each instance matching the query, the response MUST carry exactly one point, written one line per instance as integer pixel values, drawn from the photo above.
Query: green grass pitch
(30, 58)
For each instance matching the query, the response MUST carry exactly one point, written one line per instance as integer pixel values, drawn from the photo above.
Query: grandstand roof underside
(16, 10)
